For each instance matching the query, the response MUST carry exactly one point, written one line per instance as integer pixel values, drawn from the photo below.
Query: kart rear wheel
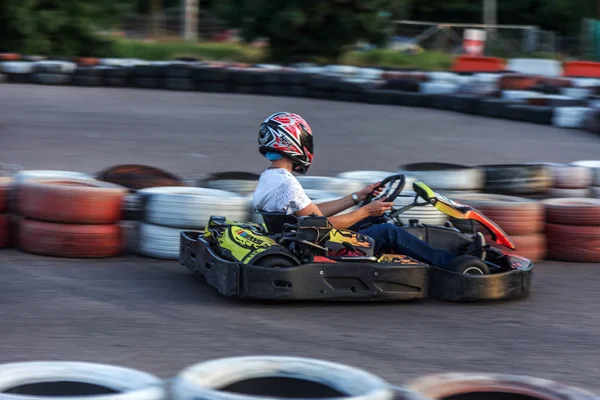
(274, 262)
(468, 265)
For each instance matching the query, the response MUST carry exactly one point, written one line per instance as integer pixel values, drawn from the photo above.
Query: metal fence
(502, 40)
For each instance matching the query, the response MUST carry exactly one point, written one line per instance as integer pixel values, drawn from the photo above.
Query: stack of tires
(522, 220)
(5, 239)
(166, 211)
(594, 167)
(447, 179)
(569, 181)
(573, 229)
(521, 180)
(70, 217)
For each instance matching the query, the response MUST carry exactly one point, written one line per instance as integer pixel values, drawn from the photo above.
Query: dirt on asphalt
(153, 315)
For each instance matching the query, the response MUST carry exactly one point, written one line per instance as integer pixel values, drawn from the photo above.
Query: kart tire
(573, 243)
(580, 211)
(531, 246)
(442, 176)
(274, 261)
(75, 201)
(243, 183)
(264, 377)
(4, 231)
(77, 381)
(468, 265)
(515, 215)
(517, 179)
(5, 189)
(463, 386)
(189, 207)
(594, 166)
(136, 177)
(69, 240)
(160, 242)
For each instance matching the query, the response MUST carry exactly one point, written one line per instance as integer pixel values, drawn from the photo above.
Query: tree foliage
(301, 29)
(51, 27)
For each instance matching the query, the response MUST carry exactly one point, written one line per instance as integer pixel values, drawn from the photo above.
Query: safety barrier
(582, 69)
(142, 209)
(478, 64)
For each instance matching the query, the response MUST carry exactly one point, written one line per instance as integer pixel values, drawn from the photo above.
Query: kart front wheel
(468, 265)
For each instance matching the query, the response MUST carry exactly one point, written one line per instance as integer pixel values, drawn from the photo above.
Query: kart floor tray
(345, 281)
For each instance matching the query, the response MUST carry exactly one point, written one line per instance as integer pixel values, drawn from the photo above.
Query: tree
(302, 29)
(66, 28)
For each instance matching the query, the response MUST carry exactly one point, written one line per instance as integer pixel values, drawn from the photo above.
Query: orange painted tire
(87, 61)
(5, 186)
(573, 243)
(518, 82)
(4, 231)
(530, 246)
(579, 211)
(76, 201)
(72, 241)
(10, 57)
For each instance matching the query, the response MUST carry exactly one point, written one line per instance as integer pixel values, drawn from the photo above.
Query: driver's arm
(343, 221)
(333, 207)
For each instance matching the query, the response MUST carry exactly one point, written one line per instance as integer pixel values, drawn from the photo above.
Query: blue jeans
(392, 238)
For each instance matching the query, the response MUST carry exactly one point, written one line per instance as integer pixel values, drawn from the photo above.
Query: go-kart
(290, 258)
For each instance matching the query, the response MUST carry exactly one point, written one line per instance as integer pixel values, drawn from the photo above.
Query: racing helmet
(288, 135)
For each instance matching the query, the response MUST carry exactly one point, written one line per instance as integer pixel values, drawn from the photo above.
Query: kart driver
(286, 140)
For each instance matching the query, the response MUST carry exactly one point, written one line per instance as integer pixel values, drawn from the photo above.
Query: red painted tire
(458, 386)
(573, 211)
(573, 243)
(518, 82)
(530, 246)
(76, 201)
(5, 185)
(73, 241)
(4, 231)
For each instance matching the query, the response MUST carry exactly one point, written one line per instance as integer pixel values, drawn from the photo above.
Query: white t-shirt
(279, 191)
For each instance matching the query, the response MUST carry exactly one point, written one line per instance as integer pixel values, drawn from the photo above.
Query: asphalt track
(153, 315)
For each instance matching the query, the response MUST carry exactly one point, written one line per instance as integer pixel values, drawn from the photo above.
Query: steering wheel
(388, 183)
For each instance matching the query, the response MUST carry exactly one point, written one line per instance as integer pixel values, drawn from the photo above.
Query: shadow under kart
(292, 259)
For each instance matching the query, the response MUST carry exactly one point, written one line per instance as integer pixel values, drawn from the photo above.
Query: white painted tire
(371, 74)
(566, 176)
(486, 77)
(54, 67)
(438, 87)
(520, 94)
(576, 92)
(16, 67)
(448, 178)
(342, 71)
(207, 380)
(442, 76)
(535, 66)
(556, 193)
(129, 384)
(189, 207)
(159, 241)
(594, 166)
(239, 186)
(368, 177)
(338, 186)
(585, 82)
(570, 117)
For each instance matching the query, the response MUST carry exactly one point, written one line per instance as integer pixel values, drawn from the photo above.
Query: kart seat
(275, 221)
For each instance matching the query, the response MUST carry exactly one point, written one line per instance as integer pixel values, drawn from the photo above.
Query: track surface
(153, 315)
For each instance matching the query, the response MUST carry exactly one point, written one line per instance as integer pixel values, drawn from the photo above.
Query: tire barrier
(541, 96)
(264, 377)
(465, 386)
(573, 229)
(166, 211)
(72, 214)
(77, 381)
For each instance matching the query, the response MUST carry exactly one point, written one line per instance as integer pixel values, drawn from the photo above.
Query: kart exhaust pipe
(464, 386)
(262, 377)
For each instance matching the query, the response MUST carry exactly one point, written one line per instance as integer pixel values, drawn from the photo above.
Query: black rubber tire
(274, 261)
(465, 263)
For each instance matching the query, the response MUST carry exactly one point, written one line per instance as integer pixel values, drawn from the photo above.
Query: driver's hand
(378, 207)
(376, 187)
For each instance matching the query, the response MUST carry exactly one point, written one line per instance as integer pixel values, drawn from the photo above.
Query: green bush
(427, 60)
